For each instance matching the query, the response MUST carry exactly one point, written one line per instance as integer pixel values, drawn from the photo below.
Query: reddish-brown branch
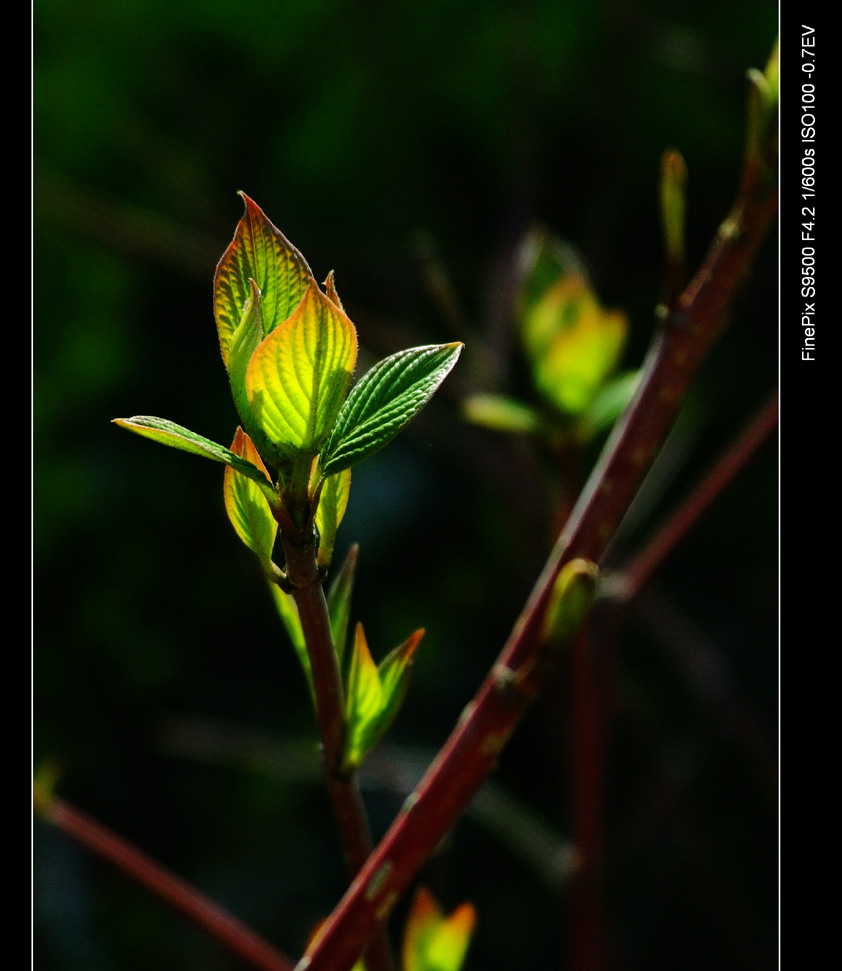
(471, 752)
(761, 426)
(166, 885)
(343, 788)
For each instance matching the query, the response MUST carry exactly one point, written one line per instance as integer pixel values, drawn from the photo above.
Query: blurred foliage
(433, 941)
(572, 345)
(410, 147)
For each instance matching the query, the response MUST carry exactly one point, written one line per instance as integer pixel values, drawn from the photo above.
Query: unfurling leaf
(245, 340)
(374, 694)
(299, 375)
(288, 612)
(394, 680)
(332, 504)
(259, 251)
(339, 602)
(432, 941)
(168, 433)
(573, 344)
(246, 505)
(363, 701)
(383, 401)
(570, 602)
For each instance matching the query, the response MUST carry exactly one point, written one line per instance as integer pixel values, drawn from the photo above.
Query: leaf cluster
(290, 351)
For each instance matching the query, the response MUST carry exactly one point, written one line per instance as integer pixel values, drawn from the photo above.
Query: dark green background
(374, 135)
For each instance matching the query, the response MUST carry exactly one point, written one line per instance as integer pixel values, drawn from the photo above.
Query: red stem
(471, 752)
(180, 895)
(343, 788)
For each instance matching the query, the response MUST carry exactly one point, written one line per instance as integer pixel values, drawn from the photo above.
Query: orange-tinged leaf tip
(238, 445)
(252, 210)
(424, 906)
(245, 448)
(258, 252)
(330, 290)
(411, 643)
(433, 940)
(361, 645)
(464, 919)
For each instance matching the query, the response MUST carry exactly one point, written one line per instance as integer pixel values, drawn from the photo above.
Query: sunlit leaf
(394, 680)
(383, 401)
(299, 375)
(259, 251)
(244, 342)
(332, 504)
(363, 700)
(168, 433)
(573, 344)
(330, 290)
(374, 694)
(246, 505)
(432, 941)
(339, 602)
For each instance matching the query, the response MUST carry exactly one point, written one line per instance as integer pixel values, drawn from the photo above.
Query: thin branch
(166, 885)
(632, 578)
(343, 787)
(471, 752)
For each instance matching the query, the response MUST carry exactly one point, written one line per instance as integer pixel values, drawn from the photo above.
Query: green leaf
(571, 599)
(288, 612)
(502, 414)
(168, 433)
(573, 344)
(331, 509)
(374, 694)
(384, 400)
(433, 942)
(259, 251)
(363, 701)
(246, 505)
(394, 680)
(245, 341)
(339, 602)
(299, 375)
